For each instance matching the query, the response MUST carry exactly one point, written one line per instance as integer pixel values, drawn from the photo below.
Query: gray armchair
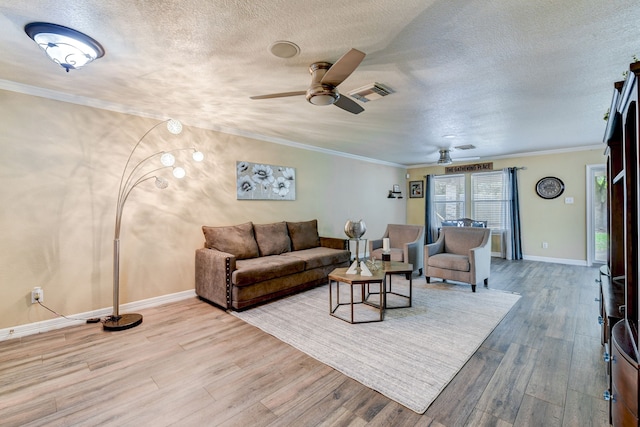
(461, 253)
(406, 244)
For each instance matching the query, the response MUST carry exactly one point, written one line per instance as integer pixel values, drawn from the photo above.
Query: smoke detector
(371, 92)
(284, 49)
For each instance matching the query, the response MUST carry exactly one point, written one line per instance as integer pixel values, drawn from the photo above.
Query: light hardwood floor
(191, 364)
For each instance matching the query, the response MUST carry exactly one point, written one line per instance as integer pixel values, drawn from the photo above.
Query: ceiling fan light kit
(328, 98)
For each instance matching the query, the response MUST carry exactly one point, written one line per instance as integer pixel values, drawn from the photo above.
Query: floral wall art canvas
(258, 181)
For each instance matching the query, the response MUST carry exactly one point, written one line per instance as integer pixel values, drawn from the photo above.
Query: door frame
(591, 250)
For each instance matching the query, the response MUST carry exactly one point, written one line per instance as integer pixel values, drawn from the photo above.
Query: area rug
(409, 357)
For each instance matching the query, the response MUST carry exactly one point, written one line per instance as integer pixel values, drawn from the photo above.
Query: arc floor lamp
(132, 176)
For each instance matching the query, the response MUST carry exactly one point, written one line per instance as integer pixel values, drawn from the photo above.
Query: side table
(390, 268)
(338, 276)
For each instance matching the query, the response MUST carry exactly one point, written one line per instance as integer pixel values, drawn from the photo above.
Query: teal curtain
(514, 214)
(430, 220)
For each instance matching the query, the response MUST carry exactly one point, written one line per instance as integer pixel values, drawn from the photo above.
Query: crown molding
(120, 108)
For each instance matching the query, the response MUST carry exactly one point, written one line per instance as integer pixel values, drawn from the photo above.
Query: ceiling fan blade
(343, 67)
(279, 95)
(348, 104)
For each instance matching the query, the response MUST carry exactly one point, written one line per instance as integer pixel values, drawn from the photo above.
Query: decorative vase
(355, 229)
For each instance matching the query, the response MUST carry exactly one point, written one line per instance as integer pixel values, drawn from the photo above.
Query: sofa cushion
(320, 256)
(450, 262)
(272, 239)
(304, 235)
(250, 271)
(237, 240)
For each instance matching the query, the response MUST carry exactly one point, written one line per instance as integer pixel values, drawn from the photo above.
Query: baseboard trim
(580, 262)
(61, 322)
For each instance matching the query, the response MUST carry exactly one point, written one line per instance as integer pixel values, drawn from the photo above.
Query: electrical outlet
(37, 294)
(545, 245)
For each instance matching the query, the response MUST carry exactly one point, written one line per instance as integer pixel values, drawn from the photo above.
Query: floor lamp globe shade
(198, 156)
(174, 126)
(167, 159)
(161, 183)
(179, 172)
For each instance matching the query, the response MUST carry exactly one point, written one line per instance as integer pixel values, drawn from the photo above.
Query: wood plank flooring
(191, 364)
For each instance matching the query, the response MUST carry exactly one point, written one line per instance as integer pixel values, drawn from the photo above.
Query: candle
(385, 244)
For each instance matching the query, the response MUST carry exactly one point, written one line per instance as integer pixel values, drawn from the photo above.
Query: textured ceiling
(507, 76)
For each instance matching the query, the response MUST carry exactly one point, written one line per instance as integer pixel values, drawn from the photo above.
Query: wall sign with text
(476, 167)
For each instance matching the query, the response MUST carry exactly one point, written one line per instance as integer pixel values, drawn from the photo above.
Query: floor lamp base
(122, 322)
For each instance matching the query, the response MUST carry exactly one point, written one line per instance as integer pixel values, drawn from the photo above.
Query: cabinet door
(621, 415)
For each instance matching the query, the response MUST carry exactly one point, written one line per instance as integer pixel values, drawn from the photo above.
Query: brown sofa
(247, 264)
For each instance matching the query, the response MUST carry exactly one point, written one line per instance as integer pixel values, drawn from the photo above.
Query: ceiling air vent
(371, 92)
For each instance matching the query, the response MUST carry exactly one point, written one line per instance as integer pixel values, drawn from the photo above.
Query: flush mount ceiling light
(65, 46)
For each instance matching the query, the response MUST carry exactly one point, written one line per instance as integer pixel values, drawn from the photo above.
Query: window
(483, 197)
(488, 199)
(449, 197)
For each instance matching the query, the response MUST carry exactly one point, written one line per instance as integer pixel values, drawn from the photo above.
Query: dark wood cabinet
(612, 293)
(624, 378)
(619, 282)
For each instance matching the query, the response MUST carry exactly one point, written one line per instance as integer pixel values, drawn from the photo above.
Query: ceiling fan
(325, 78)
(445, 158)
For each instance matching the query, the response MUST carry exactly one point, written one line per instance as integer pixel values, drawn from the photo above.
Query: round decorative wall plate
(549, 187)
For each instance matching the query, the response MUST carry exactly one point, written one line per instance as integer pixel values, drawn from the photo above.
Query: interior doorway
(597, 196)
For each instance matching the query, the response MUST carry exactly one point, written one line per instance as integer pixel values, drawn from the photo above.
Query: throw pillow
(237, 240)
(304, 235)
(273, 239)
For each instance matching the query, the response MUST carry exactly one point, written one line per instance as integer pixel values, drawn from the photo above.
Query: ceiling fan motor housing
(445, 157)
(318, 93)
